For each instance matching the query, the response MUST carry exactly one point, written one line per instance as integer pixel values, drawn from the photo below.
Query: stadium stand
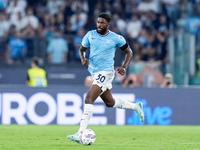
(156, 26)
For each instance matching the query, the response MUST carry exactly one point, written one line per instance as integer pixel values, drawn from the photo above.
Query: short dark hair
(35, 60)
(106, 16)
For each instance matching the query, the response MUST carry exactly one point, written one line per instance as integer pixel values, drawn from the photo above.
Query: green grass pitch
(54, 137)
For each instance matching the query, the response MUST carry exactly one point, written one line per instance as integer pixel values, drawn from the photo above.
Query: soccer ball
(87, 137)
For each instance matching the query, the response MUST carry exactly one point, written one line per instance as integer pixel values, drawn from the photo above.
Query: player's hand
(121, 71)
(85, 61)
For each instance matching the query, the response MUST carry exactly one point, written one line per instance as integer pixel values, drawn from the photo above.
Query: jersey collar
(105, 34)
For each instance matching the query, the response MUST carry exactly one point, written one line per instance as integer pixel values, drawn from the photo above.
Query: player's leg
(117, 102)
(108, 98)
(90, 98)
(122, 104)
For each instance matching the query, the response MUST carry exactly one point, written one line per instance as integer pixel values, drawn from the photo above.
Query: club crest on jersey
(108, 40)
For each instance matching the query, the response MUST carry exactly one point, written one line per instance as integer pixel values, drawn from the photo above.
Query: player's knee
(88, 100)
(109, 104)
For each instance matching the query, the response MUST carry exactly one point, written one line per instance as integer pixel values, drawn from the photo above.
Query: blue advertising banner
(63, 105)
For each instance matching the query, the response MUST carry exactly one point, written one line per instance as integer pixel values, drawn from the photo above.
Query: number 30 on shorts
(101, 78)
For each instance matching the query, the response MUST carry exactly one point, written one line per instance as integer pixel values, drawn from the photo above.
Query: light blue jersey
(102, 50)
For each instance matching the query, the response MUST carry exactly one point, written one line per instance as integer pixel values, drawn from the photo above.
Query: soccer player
(103, 43)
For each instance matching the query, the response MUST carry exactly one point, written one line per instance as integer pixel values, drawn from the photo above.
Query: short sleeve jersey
(102, 50)
(57, 47)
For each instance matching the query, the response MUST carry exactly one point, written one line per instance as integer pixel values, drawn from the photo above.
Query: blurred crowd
(53, 30)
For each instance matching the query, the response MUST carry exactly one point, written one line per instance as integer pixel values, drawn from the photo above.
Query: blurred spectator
(90, 25)
(36, 76)
(53, 20)
(98, 8)
(120, 24)
(168, 81)
(53, 6)
(148, 5)
(150, 77)
(69, 30)
(134, 26)
(114, 29)
(163, 25)
(162, 52)
(142, 37)
(19, 22)
(77, 42)
(130, 81)
(4, 25)
(153, 62)
(78, 20)
(151, 20)
(130, 6)
(40, 45)
(60, 22)
(88, 81)
(193, 25)
(67, 10)
(107, 8)
(135, 67)
(171, 8)
(136, 64)
(12, 31)
(150, 48)
(61, 9)
(83, 4)
(196, 8)
(186, 6)
(75, 4)
(181, 22)
(117, 7)
(50, 33)
(17, 49)
(28, 31)
(39, 8)
(57, 49)
(30, 34)
(136, 47)
(71, 52)
(46, 21)
(16, 6)
(30, 19)
(3, 4)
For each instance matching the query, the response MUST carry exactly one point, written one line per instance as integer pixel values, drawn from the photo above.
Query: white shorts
(103, 79)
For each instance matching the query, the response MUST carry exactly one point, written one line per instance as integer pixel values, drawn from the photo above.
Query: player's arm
(128, 56)
(84, 60)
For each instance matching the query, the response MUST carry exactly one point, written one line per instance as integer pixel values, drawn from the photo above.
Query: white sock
(88, 111)
(123, 104)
